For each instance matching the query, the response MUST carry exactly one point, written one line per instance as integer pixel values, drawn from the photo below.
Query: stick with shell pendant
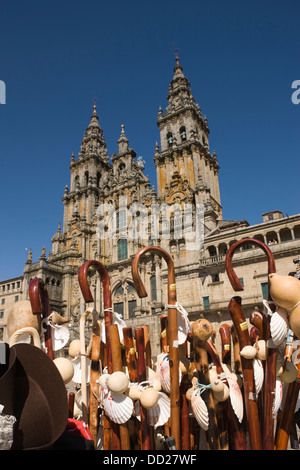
(202, 330)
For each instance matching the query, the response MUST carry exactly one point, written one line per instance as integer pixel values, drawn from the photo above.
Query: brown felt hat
(32, 390)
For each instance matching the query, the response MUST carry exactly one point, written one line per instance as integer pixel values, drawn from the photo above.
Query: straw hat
(32, 390)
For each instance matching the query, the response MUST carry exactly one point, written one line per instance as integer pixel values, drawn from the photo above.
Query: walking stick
(117, 366)
(83, 362)
(88, 297)
(225, 334)
(94, 376)
(287, 414)
(130, 358)
(164, 349)
(39, 300)
(145, 436)
(238, 318)
(270, 376)
(202, 330)
(184, 404)
(164, 333)
(237, 439)
(236, 435)
(172, 331)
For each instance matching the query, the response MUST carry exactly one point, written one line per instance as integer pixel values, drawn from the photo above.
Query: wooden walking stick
(287, 414)
(238, 317)
(94, 376)
(109, 428)
(164, 333)
(237, 365)
(164, 349)
(39, 300)
(237, 439)
(88, 297)
(236, 434)
(225, 334)
(202, 330)
(117, 366)
(130, 354)
(270, 374)
(172, 331)
(184, 404)
(130, 358)
(145, 435)
(83, 361)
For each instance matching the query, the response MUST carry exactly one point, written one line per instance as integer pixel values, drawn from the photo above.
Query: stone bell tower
(186, 171)
(82, 198)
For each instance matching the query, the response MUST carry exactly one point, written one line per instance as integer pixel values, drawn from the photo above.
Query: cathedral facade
(111, 210)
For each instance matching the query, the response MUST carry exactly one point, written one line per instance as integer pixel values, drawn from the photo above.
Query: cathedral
(187, 176)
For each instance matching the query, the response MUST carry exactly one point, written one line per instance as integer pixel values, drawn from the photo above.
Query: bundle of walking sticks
(192, 396)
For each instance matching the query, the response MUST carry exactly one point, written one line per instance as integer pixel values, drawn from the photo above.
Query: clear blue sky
(56, 57)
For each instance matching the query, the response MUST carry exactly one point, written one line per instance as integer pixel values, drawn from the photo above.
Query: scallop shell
(278, 396)
(200, 410)
(183, 327)
(236, 398)
(116, 320)
(164, 373)
(60, 336)
(279, 326)
(158, 415)
(77, 369)
(119, 407)
(258, 375)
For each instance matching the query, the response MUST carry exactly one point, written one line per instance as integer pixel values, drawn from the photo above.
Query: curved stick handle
(138, 283)
(172, 330)
(33, 332)
(39, 300)
(88, 297)
(234, 280)
(84, 284)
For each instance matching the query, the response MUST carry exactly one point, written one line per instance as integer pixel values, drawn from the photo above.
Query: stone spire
(123, 142)
(179, 94)
(93, 143)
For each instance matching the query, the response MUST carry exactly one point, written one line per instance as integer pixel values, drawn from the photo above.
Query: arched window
(124, 300)
(122, 249)
(170, 139)
(182, 133)
(86, 178)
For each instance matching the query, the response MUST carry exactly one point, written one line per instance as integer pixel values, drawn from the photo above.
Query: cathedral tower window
(122, 249)
(121, 219)
(170, 139)
(153, 288)
(86, 178)
(183, 133)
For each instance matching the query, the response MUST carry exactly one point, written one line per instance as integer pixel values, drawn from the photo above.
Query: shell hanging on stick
(258, 375)
(278, 396)
(236, 398)
(279, 326)
(200, 410)
(159, 414)
(118, 406)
